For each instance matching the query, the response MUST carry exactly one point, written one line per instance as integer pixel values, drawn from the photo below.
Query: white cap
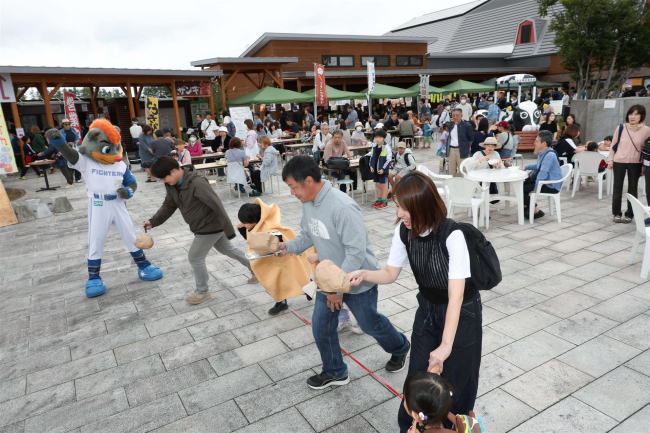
(223, 129)
(379, 125)
(65, 121)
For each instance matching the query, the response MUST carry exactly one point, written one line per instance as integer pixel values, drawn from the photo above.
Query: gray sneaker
(253, 280)
(617, 219)
(626, 219)
(196, 298)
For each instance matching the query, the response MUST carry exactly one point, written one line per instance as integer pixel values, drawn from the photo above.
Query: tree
(600, 40)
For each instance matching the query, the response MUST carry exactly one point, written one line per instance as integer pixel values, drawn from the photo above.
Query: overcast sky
(167, 34)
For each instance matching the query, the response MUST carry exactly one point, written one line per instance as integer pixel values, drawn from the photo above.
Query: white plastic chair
(465, 193)
(236, 175)
(642, 232)
(438, 179)
(463, 167)
(566, 173)
(586, 164)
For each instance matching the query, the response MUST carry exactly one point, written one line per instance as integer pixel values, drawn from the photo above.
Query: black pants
(461, 369)
(530, 187)
(633, 171)
(256, 181)
(77, 174)
(24, 170)
(67, 173)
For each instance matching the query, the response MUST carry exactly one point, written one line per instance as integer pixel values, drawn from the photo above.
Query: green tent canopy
(539, 84)
(462, 86)
(270, 95)
(383, 91)
(336, 94)
(416, 88)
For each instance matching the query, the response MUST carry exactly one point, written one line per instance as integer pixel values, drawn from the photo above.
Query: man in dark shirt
(297, 117)
(392, 123)
(292, 127)
(161, 146)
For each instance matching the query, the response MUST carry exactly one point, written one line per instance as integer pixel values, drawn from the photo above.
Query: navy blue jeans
(364, 308)
(462, 367)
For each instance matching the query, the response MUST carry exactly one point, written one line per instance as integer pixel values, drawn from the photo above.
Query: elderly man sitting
(546, 168)
(336, 147)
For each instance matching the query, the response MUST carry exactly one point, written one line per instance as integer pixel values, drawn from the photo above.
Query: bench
(527, 140)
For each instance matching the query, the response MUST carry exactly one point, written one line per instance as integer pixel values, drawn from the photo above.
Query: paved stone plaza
(566, 335)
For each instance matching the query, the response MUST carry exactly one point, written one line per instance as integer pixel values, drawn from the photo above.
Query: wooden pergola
(231, 67)
(131, 81)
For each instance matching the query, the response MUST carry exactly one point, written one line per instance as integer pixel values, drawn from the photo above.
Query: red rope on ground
(378, 379)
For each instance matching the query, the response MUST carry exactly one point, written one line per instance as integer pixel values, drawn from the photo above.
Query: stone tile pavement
(566, 334)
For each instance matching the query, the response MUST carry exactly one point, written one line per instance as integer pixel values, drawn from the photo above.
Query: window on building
(378, 60)
(409, 60)
(525, 34)
(338, 61)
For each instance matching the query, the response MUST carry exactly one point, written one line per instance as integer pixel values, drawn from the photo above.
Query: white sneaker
(222, 177)
(356, 328)
(342, 325)
(68, 185)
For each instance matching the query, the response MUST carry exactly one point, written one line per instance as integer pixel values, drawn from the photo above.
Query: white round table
(516, 177)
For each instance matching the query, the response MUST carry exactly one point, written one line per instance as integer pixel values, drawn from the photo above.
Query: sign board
(557, 107)
(363, 102)
(7, 89)
(152, 113)
(71, 113)
(409, 100)
(193, 88)
(271, 107)
(610, 103)
(7, 160)
(321, 90)
(424, 86)
(238, 115)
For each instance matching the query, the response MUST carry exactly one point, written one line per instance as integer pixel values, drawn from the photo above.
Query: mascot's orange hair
(108, 128)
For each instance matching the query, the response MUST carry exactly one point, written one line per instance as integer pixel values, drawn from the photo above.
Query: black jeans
(67, 173)
(633, 171)
(530, 187)
(256, 181)
(461, 369)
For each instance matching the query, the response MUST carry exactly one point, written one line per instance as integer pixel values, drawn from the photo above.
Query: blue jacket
(549, 168)
(493, 111)
(74, 131)
(483, 105)
(465, 138)
(385, 157)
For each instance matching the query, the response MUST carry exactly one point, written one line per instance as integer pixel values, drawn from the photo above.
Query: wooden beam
(46, 101)
(178, 117)
(223, 93)
(138, 94)
(21, 93)
(281, 78)
(251, 80)
(123, 89)
(93, 101)
(56, 89)
(129, 98)
(299, 86)
(274, 78)
(169, 89)
(261, 77)
(14, 113)
(231, 77)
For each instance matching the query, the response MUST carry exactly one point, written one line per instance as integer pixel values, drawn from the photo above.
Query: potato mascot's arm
(56, 139)
(129, 186)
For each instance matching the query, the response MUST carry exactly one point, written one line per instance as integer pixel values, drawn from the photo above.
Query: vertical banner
(7, 159)
(371, 85)
(424, 86)
(238, 115)
(71, 113)
(153, 113)
(321, 90)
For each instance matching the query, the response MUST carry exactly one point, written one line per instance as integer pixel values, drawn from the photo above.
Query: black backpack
(645, 150)
(484, 262)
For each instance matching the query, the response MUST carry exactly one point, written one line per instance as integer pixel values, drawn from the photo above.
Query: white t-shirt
(459, 268)
(209, 128)
(453, 142)
(100, 178)
(135, 130)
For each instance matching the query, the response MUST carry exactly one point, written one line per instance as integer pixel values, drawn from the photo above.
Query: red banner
(71, 113)
(194, 88)
(321, 90)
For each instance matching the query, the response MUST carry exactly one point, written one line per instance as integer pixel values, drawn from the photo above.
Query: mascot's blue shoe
(95, 287)
(150, 273)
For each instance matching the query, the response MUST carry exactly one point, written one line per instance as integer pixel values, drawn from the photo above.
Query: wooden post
(46, 100)
(299, 86)
(223, 93)
(93, 101)
(138, 93)
(129, 97)
(178, 117)
(281, 78)
(17, 124)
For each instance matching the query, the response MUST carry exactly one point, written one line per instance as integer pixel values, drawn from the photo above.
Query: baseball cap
(379, 125)
(401, 144)
(165, 130)
(503, 124)
(490, 98)
(65, 121)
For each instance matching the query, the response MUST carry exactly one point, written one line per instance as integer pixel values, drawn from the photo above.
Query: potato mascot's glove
(54, 137)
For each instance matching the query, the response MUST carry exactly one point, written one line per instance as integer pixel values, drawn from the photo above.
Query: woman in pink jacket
(195, 146)
(625, 158)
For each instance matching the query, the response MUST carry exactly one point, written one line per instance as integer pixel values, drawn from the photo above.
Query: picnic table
(209, 155)
(284, 140)
(44, 162)
(221, 164)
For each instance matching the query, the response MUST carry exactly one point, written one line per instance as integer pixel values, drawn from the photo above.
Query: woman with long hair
(447, 334)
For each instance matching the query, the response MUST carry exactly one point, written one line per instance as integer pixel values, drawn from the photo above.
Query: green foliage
(601, 42)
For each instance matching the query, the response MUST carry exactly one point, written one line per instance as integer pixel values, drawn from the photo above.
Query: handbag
(338, 163)
(532, 176)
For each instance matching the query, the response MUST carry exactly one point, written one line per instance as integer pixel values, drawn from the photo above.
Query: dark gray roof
(251, 60)
(443, 14)
(106, 71)
(266, 37)
(490, 26)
